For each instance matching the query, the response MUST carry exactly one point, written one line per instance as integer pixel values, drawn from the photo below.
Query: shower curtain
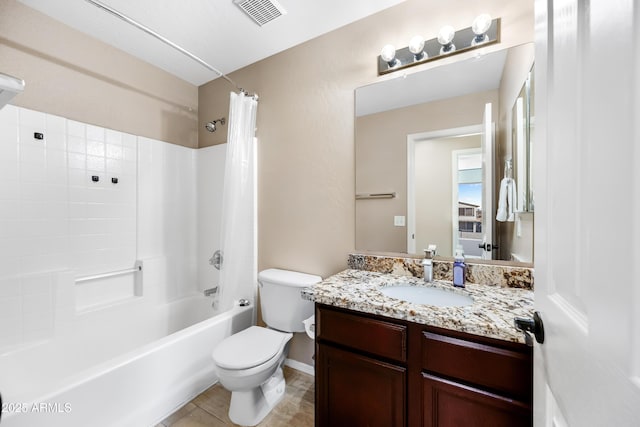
(238, 273)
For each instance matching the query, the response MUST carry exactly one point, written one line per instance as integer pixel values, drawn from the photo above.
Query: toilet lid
(249, 348)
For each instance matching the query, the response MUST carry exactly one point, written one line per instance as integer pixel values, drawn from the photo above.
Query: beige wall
(306, 176)
(70, 74)
(518, 63)
(381, 162)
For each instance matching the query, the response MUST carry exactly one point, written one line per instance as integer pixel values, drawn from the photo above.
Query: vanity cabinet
(361, 370)
(377, 371)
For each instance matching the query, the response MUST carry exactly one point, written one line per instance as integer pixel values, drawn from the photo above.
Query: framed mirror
(451, 181)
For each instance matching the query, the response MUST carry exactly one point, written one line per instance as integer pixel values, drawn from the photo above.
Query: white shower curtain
(238, 275)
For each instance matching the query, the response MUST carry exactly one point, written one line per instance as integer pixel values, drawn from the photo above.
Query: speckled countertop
(490, 315)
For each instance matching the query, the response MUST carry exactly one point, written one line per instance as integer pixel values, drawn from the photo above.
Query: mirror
(522, 135)
(420, 160)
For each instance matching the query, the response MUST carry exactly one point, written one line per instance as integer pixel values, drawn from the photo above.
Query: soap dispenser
(459, 268)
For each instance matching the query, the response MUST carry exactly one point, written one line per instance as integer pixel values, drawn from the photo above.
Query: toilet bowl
(249, 363)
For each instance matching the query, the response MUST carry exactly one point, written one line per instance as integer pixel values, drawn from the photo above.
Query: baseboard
(302, 367)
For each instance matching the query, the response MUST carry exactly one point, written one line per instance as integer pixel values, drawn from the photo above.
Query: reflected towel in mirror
(507, 200)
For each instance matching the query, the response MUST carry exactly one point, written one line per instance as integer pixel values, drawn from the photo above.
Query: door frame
(412, 140)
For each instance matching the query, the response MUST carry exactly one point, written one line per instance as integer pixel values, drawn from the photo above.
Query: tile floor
(211, 408)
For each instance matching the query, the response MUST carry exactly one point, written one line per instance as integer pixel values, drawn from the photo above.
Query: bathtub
(127, 365)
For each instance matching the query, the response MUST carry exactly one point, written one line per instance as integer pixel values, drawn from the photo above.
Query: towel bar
(135, 269)
(361, 196)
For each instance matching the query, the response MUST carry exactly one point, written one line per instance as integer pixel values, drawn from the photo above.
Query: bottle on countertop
(459, 268)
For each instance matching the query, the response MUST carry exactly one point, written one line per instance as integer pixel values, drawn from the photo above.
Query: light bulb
(445, 38)
(480, 26)
(416, 46)
(446, 34)
(388, 55)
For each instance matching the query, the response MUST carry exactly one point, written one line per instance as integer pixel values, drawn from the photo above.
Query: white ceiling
(217, 31)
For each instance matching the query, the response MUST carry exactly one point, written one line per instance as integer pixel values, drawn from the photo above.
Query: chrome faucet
(427, 263)
(210, 291)
(216, 259)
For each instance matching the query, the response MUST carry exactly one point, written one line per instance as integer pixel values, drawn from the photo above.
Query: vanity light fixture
(484, 31)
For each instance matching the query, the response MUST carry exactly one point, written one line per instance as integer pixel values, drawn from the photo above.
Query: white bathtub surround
(34, 308)
(167, 212)
(100, 346)
(210, 181)
(55, 218)
(238, 274)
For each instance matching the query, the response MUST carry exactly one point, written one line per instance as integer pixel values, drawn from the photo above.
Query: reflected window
(466, 226)
(469, 180)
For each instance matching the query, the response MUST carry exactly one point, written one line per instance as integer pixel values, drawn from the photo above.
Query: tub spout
(210, 291)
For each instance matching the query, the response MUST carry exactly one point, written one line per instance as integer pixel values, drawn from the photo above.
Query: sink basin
(427, 295)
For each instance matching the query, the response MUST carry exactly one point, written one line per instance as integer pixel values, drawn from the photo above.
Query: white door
(488, 213)
(587, 219)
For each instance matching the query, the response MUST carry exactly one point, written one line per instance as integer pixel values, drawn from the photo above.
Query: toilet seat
(251, 347)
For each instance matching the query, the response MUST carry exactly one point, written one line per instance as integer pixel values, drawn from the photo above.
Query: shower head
(211, 126)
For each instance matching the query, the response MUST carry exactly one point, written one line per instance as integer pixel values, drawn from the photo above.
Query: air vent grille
(261, 11)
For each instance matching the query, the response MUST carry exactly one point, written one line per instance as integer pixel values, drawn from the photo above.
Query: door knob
(530, 325)
(487, 246)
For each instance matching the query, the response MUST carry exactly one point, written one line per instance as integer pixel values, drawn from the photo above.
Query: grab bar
(375, 196)
(136, 269)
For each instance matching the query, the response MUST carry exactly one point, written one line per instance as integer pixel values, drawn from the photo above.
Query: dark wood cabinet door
(358, 391)
(450, 404)
(506, 372)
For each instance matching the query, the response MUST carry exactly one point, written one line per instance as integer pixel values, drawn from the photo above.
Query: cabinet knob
(530, 325)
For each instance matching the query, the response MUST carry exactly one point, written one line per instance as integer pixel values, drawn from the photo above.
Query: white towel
(511, 199)
(507, 200)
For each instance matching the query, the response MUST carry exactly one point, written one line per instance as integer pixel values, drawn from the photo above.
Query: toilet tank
(282, 306)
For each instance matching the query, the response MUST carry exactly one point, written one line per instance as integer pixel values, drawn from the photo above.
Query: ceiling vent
(261, 11)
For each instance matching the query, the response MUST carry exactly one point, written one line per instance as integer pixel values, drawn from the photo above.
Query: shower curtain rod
(166, 41)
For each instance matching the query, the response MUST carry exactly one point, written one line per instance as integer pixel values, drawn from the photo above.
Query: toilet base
(249, 407)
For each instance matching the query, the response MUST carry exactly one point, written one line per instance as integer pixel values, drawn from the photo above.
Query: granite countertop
(491, 314)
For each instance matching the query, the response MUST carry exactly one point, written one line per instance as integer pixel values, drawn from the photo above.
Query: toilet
(249, 363)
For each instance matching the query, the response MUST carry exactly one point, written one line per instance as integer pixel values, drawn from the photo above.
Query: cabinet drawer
(377, 337)
(495, 368)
